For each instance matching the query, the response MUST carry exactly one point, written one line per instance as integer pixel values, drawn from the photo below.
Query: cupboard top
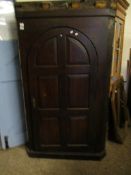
(64, 8)
(65, 13)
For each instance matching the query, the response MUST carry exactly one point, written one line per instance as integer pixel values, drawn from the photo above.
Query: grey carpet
(117, 162)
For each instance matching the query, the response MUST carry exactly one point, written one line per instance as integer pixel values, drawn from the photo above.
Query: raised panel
(78, 91)
(47, 91)
(49, 131)
(77, 53)
(77, 130)
(47, 52)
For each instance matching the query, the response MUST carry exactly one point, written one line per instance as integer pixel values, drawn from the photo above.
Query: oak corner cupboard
(66, 57)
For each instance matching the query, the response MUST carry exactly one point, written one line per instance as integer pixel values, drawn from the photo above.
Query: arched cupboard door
(62, 67)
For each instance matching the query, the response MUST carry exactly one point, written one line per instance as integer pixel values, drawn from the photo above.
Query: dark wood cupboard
(65, 57)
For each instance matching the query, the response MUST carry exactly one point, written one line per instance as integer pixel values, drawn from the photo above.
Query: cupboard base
(66, 155)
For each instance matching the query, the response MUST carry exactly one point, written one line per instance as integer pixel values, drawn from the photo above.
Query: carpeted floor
(117, 162)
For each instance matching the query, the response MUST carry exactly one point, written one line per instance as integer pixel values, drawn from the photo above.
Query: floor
(117, 162)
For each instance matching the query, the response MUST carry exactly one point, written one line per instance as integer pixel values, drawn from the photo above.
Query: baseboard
(66, 155)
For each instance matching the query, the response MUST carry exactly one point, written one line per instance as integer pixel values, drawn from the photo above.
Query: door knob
(76, 34)
(61, 35)
(71, 31)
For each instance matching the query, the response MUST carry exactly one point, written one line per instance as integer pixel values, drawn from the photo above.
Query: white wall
(127, 41)
(12, 125)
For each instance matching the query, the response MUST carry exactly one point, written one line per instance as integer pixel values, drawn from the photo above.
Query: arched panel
(77, 53)
(47, 52)
(79, 48)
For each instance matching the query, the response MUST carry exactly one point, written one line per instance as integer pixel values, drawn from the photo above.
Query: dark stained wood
(66, 63)
(47, 96)
(77, 53)
(26, 13)
(79, 124)
(50, 48)
(75, 96)
(47, 138)
(53, 80)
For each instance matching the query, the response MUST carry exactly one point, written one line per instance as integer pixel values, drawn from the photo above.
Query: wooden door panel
(48, 91)
(47, 52)
(49, 131)
(77, 131)
(44, 73)
(80, 68)
(78, 91)
(77, 53)
(61, 72)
